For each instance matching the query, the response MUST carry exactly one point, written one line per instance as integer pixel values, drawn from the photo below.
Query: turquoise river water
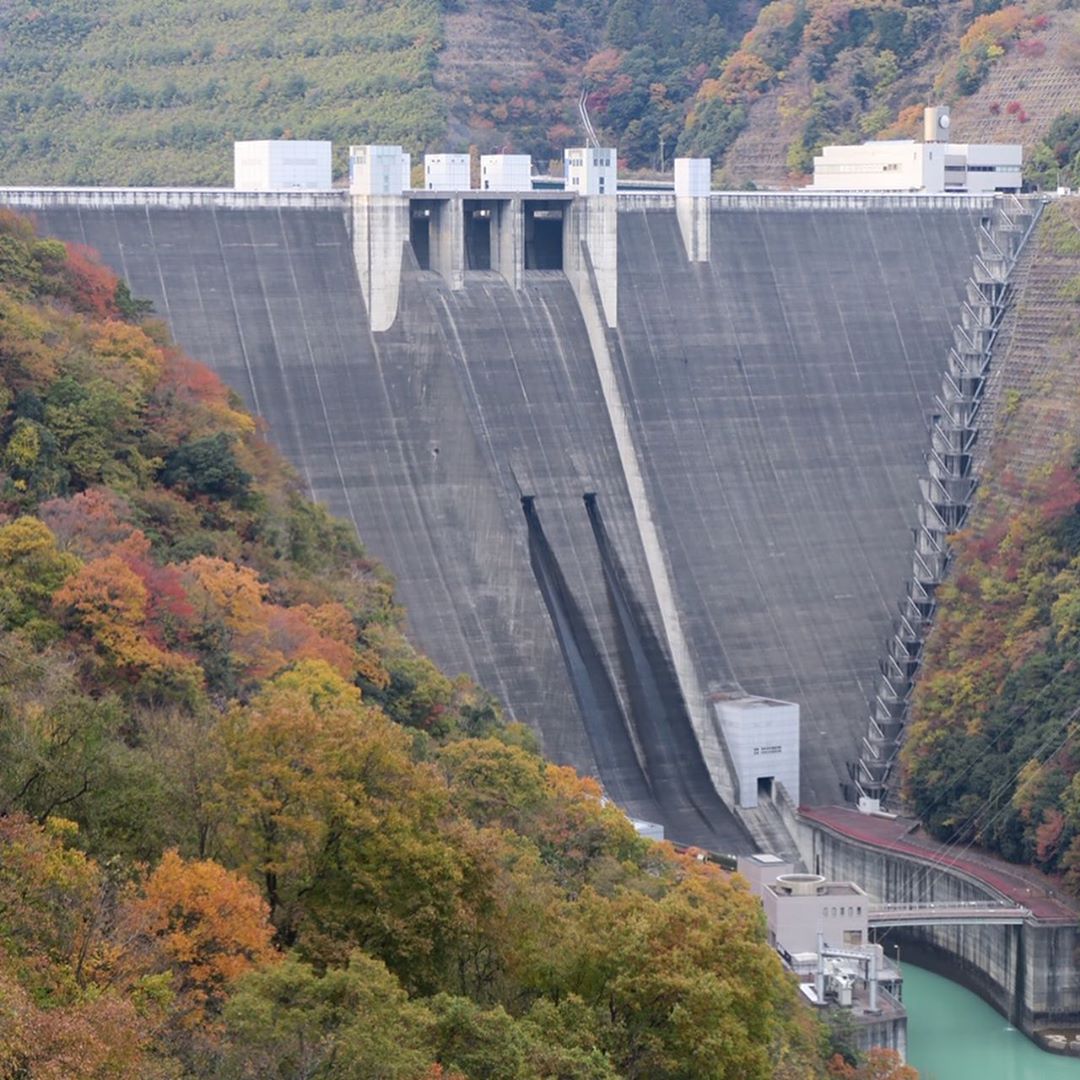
(954, 1035)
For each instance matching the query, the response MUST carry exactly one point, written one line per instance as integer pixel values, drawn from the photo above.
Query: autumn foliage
(246, 830)
(991, 754)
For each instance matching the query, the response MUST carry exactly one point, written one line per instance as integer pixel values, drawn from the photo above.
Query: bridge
(949, 913)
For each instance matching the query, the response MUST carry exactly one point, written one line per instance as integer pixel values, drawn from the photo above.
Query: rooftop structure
(447, 172)
(505, 172)
(591, 170)
(693, 177)
(282, 165)
(800, 906)
(932, 166)
(379, 170)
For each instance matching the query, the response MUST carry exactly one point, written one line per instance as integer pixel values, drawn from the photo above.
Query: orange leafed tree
(880, 1064)
(205, 924)
(108, 602)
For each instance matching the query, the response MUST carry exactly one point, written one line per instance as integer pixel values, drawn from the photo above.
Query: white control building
(693, 177)
(591, 171)
(505, 172)
(933, 166)
(282, 165)
(762, 736)
(379, 170)
(447, 172)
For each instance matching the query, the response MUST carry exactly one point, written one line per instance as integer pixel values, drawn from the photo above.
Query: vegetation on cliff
(151, 92)
(245, 829)
(144, 92)
(992, 754)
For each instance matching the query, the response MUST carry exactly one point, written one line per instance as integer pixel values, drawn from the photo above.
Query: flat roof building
(693, 177)
(799, 906)
(379, 170)
(933, 166)
(591, 170)
(282, 165)
(447, 172)
(505, 172)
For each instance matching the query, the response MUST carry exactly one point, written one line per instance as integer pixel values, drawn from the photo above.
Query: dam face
(775, 397)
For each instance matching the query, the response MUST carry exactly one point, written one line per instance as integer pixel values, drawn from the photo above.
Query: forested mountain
(246, 830)
(148, 92)
(992, 756)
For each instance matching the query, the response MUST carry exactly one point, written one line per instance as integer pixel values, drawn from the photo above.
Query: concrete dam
(625, 455)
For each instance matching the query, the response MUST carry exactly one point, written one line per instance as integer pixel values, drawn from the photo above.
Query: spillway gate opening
(543, 235)
(420, 218)
(478, 229)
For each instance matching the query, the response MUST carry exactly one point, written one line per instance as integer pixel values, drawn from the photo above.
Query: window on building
(852, 937)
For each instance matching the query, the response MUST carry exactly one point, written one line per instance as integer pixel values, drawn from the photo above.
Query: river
(954, 1035)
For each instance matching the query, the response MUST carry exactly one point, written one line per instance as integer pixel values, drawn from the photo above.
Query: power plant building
(933, 166)
(282, 165)
(505, 172)
(379, 170)
(591, 170)
(447, 172)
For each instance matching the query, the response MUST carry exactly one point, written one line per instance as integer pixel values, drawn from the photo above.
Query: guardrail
(958, 913)
(44, 198)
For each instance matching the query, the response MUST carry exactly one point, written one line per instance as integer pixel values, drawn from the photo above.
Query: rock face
(775, 400)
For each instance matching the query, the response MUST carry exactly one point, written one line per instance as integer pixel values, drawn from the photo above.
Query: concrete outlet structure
(762, 737)
(282, 165)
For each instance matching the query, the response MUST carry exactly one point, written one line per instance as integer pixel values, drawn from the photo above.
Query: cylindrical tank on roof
(800, 884)
(936, 123)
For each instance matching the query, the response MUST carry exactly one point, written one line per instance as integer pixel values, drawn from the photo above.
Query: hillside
(149, 92)
(864, 70)
(246, 830)
(143, 92)
(992, 755)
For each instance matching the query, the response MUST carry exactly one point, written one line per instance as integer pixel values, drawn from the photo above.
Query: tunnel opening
(765, 787)
(543, 235)
(420, 233)
(477, 235)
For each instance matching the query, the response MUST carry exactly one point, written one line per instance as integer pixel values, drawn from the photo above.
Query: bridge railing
(949, 905)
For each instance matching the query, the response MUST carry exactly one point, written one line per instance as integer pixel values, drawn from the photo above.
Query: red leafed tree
(89, 524)
(91, 287)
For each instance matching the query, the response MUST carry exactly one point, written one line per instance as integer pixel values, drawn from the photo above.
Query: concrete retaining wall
(1030, 973)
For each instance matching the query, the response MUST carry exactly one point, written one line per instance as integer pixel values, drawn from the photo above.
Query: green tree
(350, 1023)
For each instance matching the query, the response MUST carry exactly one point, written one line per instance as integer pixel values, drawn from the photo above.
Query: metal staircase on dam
(948, 487)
